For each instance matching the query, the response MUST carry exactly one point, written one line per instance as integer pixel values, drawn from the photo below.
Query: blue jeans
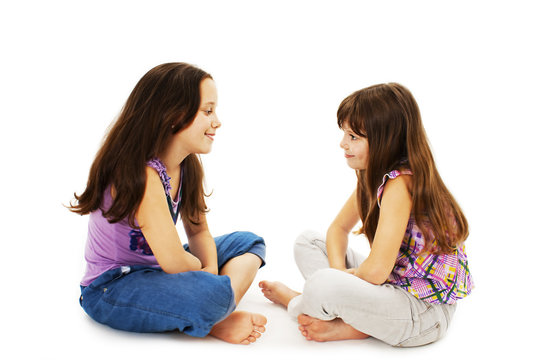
(146, 299)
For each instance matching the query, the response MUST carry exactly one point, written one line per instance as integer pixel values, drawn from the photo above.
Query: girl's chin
(356, 166)
(204, 151)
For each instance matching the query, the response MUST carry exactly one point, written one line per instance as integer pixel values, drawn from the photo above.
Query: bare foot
(277, 292)
(320, 330)
(240, 327)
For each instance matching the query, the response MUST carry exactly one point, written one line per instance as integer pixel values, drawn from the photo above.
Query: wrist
(338, 264)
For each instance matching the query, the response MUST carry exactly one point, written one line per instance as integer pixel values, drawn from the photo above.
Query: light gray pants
(385, 312)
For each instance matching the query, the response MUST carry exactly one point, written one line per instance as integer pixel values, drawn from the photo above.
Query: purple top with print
(110, 246)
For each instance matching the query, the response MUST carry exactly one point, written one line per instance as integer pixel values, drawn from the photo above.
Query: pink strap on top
(391, 175)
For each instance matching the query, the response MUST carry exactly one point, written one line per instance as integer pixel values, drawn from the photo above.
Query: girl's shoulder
(396, 175)
(161, 170)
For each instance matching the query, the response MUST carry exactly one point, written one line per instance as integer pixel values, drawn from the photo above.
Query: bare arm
(394, 215)
(202, 244)
(337, 236)
(159, 230)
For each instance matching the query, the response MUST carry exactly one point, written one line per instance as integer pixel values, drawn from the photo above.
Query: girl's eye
(209, 112)
(356, 137)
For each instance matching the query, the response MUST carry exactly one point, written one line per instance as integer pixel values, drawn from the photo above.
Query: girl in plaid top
(405, 291)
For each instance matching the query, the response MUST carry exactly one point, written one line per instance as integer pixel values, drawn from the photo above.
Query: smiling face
(356, 148)
(198, 137)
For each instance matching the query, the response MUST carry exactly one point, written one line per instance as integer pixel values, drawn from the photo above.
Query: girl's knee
(332, 285)
(238, 243)
(246, 235)
(240, 239)
(254, 244)
(324, 283)
(308, 239)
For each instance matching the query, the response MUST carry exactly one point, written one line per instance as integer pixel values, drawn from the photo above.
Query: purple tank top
(110, 246)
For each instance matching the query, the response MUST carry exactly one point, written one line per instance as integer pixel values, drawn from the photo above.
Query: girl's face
(356, 148)
(198, 137)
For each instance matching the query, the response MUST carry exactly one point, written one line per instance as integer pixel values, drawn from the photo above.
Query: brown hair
(164, 101)
(389, 115)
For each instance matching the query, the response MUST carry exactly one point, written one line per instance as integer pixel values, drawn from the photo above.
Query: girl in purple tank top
(139, 276)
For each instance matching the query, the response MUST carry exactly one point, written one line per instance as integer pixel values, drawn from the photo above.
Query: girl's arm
(337, 236)
(159, 230)
(202, 244)
(394, 215)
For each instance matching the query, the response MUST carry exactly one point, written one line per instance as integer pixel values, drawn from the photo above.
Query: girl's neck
(172, 161)
(173, 155)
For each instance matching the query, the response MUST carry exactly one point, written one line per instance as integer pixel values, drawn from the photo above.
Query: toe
(258, 320)
(260, 329)
(304, 319)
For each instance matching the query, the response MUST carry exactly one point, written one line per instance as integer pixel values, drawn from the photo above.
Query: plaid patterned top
(439, 279)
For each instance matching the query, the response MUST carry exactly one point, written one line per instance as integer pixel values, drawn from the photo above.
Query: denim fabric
(146, 299)
(237, 243)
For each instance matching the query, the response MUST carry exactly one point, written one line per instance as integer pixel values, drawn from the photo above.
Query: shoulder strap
(157, 165)
(391, 175)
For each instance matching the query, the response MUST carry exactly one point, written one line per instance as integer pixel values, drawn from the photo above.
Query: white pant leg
(310, 254)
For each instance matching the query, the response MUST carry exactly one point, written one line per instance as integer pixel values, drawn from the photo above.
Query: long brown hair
(389, 115)
(164, 101)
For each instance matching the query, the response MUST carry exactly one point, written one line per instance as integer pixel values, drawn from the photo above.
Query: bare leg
(240, 327)
(320, 330)
(277, 292)
(242, 271)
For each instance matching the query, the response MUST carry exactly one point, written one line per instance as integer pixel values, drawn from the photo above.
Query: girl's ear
(176, 124)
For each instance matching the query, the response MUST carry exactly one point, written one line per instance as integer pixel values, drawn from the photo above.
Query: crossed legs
(310, 255)
(310, 327)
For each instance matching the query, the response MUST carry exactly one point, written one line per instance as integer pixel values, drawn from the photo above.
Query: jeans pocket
(427, 336)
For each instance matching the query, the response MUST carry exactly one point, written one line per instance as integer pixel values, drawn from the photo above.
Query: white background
(282, 68)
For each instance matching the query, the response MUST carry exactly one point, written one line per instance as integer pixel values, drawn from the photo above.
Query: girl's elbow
(376, 276)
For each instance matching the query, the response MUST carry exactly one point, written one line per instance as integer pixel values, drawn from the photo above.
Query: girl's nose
(216, 123)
